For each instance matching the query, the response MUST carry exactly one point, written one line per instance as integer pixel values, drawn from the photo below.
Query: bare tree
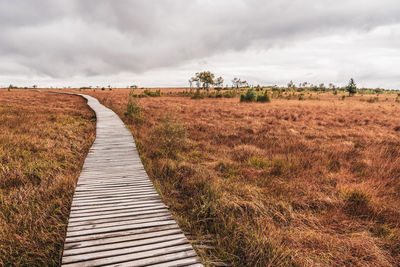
(191, 81)
(190, 84)
(236, 82)
(219, 82)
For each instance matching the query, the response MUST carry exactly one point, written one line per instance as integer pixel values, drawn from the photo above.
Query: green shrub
(197, 95)
(168, 139)
(264, 98)
(229, 94)
(259, 163)
(133, 111)
(147, 92)
(250, 96)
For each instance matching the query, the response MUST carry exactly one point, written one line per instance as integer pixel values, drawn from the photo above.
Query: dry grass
(43, 142)
(311, 182)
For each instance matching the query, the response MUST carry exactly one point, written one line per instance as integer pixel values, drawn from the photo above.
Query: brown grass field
(286, 183)
(309, 183)
(44, 139)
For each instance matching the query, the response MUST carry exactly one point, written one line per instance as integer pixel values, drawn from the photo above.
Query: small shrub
(168, 139)
(373, 100)
(250, 96)
(133, 111)
(357, 203)
(228, 170)
(264, 98)
(197, 95)
(259, 163)
(229, 94)
(157, 93)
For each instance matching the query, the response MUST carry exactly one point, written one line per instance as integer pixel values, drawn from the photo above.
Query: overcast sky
(164, 42)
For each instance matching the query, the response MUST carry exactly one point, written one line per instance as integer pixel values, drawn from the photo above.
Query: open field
(312, 182)
(44, 139)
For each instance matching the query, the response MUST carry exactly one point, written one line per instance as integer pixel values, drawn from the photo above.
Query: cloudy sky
(164, 42)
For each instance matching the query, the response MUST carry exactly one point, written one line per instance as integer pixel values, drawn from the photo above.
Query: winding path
(117, 217)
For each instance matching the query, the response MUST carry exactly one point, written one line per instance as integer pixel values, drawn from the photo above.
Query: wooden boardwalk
(117, 217)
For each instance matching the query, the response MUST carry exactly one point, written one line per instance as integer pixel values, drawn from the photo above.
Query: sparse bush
(373, 100)
(250, 96)
(264, 97)
(357, 203)
(134, 111)
(230, 94)
(157, 93)
(197, 95)
(168, 139)
(259, 163)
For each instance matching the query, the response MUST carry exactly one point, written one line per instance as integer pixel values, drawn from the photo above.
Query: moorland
(300, 178)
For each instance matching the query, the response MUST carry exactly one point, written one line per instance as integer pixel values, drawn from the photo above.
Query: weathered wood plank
(141, 257)
(125, 244)
(105, 236)
(112, 223)
(119, 219)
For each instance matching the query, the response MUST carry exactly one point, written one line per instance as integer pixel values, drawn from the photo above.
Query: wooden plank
(118, 193)
(125, 244)
(123, 201)
(115, 222)
(122, 214)
(181, 243)
(158, 257)
(110, 212)
(117, 199)
(140, 256)
(117, 217)
(126, 203)
(118, 239)
(107, 225)
(117, 207)
(192, 261)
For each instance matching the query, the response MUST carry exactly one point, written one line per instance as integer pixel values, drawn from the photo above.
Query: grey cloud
(60, 39)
